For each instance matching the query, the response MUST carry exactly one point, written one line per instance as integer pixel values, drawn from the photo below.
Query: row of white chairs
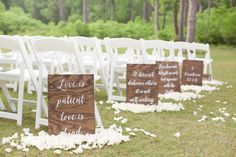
(33, 58)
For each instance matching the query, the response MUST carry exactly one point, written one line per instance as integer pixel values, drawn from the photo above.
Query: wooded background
(208, 21)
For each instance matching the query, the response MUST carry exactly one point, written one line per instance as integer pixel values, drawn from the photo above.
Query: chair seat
(14, 74)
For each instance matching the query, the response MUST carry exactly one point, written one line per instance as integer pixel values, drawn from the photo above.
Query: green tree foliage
(34, 17)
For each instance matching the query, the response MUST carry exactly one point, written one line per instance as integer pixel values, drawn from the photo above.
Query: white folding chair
(10, 59)
(185, 50)
(204, 55)
(157, 50)
(122, 51)
(90, 51)
(62, 47)
(18, 74)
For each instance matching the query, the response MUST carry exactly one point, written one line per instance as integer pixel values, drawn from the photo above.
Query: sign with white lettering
(192, 72)
(142, 83)
(71, 104)
(168, 73)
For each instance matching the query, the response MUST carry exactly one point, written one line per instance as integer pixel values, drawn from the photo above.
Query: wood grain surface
(142, 83)
(192, 72)
(168, 73)
(71, 104)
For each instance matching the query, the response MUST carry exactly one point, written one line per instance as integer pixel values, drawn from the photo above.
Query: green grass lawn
(205, 139)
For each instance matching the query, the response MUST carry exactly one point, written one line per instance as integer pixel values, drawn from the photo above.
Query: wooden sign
(71, 104)
(142, 83)
(192, 72)
(168, 73)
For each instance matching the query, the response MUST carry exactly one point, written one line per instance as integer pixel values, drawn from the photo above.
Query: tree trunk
(6, 4)
(164, 17)
(131, 10)
(113, 10)
(186, 13)
(62, 11)
(22, 5)
(86, 11)
(104, 9)
(144, 10)
(36, 13)
(175, 16)
(156, 16)
(209, 8)
(200, 7)
(230, 3)
(192, 20)
(181, 20)
(149, 10)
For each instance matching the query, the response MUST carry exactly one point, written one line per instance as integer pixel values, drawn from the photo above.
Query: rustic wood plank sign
(168, 73)
(192, 72)
(71, 104)
(142, 84)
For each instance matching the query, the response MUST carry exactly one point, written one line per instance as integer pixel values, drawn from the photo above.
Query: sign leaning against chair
(71, 104)
(142, 84)
(192, 72)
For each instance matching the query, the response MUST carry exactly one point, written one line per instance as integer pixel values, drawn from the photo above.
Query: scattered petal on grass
(108, 108)
(217, 101)
(225, 102)
(125, 120)
(132, 134)
(226, 114)
(153, 135)
(194, 113)
(177, 134)
(128, 129)
(201, 106)
(57, 151)
(202, 119)
(8, 150)
(117, 111)
(101, 102)
(218, 119)
(211, 113)
(234, 119)
(118, 118)
(199, 109)
(76, 143)
(141, 108)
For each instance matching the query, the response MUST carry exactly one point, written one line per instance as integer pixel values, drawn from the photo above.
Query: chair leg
(118, 84)
(8, 97)
(2, 107)
(20, 101)
(111, 83)
(98, 117)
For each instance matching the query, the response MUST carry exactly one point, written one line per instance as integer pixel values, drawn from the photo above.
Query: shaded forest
(211, 21)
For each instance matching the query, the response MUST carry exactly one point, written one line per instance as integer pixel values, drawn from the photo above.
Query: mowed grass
(205, 139)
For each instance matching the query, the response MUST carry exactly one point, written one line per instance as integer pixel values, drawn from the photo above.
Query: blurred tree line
(212, 21)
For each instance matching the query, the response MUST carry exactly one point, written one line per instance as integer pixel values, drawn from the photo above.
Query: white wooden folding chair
(184, 50)
(90, 51)
(61, 47)
(122, 51)
(11, 60)
(202, 53)
(157, 50)
(18, 74)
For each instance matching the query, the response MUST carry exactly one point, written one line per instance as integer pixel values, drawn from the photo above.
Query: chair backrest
(132, 49)
(160, 49)
(60, 49)
(9, 42)
(203, 48)
(189, 47)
